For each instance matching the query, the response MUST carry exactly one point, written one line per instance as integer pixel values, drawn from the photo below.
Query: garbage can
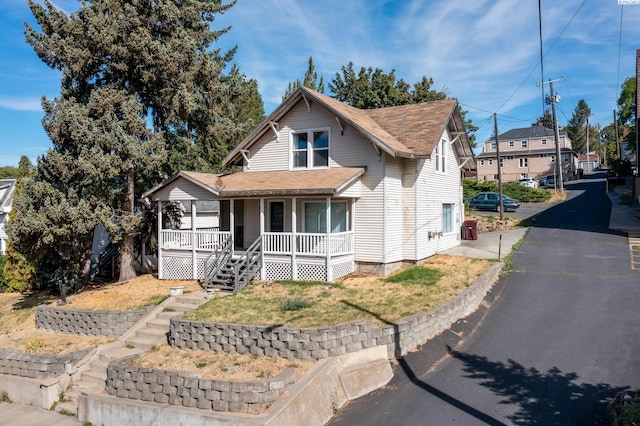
(470, 229)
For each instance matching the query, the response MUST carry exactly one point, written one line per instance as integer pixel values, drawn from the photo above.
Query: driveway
(558, 336)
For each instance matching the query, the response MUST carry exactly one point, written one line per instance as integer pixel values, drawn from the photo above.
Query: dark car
(491, 201)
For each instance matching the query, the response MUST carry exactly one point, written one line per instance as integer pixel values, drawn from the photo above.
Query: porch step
(94, 376)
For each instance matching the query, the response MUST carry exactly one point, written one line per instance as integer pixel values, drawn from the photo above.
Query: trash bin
(470, 229)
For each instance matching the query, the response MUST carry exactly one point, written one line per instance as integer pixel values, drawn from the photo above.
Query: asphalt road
(558, 335)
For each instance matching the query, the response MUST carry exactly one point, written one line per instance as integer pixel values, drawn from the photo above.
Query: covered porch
(305, 236)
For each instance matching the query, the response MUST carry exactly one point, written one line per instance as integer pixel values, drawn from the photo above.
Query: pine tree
(139, 80)
(577, 128)
(310, 81)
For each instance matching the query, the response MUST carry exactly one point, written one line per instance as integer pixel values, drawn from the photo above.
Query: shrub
(3, 282)
(294, 304)
(511, 189)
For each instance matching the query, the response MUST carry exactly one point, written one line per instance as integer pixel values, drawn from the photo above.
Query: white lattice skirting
(177, 268)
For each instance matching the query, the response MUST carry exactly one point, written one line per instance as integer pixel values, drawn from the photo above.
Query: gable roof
(532, 132)
(269, 183)
(7, 187)
(402, 131)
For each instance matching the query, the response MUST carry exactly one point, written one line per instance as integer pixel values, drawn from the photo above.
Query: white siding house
(329, 190)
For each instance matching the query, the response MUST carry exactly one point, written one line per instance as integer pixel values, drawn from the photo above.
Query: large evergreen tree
(576, 128)
(310, 81)
(139, 79)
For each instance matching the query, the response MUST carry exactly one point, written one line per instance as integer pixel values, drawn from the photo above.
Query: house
(325, 190)
(7, 187)
(590, 162)
(528, 152)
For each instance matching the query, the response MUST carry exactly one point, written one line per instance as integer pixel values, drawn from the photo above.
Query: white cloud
(21, 104)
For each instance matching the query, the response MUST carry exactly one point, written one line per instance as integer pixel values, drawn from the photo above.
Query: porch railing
(308, 244)
(184, 239)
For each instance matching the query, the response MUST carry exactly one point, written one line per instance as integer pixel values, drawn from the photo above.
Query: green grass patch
(294, 304)
(417, 275)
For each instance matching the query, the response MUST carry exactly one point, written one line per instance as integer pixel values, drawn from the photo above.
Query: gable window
(441, 156)
(493, 145)
(315, 217)
(447, 218)
(310, 149)
(523, 144)
(524, 162)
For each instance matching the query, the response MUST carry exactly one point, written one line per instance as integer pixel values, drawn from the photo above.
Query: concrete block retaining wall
(87, 323)
(190, 390)
(34, 366)
(322, 342)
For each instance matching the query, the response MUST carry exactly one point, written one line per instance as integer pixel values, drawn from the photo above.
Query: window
(310, 149)
(441, 156)
(544, 155)
(490, 162)
(502, 162)
(553, 158)
(495, 177)
(543, 141)
(315, 217)
(523, 144)
(482, 162)
(565, 158)
(276, 216)
(493, 146)
(447, 218)
(524, 162)
(510, 157)
(511, 144)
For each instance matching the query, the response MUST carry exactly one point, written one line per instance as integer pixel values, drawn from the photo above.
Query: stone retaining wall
(17, 363)
(190, 390)
(322, 342)
(87, 323)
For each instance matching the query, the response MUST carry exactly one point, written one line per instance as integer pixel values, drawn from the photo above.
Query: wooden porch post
(262, 270)
(328, 248)
(194, 259)
(294, 264)
(232, 223)
(159, 246)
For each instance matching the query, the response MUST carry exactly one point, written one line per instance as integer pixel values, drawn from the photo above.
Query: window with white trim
(565, 158)
(543, 141)
(482, 162)
(523, 144)
(315, 217)
(310, 149)
(524, 162)
(447, 218)
(441, 156)
(511, 144)
(502, 162)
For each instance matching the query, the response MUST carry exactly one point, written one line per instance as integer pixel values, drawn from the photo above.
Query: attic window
(441, 156)
(310, 149)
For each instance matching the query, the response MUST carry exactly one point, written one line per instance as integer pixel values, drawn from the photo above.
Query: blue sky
(484, 53)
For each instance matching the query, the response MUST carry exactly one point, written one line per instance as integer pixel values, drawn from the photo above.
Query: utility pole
(588, 166)
(618, 150)
(552, 99)
(495, 130)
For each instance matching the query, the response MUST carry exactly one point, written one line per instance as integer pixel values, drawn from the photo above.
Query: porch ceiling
(271, 183)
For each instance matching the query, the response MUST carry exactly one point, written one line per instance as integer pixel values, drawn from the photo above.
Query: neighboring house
(528, 152)
(328, 190)
(590, 163)
(7, 187)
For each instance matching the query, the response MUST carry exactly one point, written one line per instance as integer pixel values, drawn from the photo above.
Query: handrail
(249, 259)
(221, 257)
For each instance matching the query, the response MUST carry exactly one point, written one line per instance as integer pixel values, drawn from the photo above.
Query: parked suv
(548, 181)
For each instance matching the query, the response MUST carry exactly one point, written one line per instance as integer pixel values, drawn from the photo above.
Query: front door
(276, 216)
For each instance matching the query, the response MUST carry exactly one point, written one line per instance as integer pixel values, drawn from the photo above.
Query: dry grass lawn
(261, 303)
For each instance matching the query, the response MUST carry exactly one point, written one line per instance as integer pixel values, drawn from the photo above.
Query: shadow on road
(588, 211)
(540, 397)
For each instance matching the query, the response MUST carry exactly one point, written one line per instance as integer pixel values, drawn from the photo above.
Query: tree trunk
(127, 257)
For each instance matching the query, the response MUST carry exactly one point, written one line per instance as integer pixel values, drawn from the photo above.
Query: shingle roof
(279, 182)
(404, 131)
(536, 131)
